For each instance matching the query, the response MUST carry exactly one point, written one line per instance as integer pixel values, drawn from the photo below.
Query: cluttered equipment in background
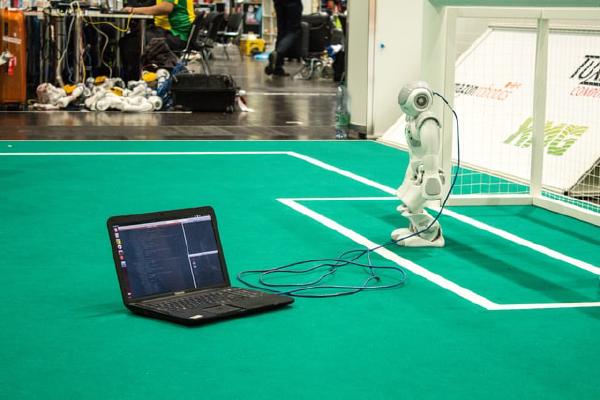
(199, 92)
(321, 47)
(74, 61)
(64, 54)
(103, 94)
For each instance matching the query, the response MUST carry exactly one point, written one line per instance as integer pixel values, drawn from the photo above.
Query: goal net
(494, 93)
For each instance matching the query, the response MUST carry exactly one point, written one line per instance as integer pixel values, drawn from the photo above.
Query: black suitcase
(199, 92)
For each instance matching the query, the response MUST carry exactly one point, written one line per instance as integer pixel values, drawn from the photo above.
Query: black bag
(199, 92)
(157, 52)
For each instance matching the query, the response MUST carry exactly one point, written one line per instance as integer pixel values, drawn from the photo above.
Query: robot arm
(432, 177)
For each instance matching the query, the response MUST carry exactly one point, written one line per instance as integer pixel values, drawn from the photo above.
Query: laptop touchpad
(223, 309)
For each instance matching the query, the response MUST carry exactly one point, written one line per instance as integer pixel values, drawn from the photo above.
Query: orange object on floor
(13, 74)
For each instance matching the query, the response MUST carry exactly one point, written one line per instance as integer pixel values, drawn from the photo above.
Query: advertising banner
(494, 101)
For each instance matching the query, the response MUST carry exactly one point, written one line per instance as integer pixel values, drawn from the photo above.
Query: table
(56, 18)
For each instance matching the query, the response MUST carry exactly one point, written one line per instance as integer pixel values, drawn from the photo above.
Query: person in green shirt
(173, 21)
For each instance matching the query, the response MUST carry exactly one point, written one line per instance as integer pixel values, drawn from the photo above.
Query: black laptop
(171, 266)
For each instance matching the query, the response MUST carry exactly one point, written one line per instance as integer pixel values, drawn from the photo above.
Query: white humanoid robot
(424, 179)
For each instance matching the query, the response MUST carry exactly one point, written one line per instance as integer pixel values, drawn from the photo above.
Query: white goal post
(530, 128)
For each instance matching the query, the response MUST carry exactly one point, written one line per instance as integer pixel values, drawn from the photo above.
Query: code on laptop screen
(168, 256)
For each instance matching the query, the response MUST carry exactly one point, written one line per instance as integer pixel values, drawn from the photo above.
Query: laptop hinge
(179, 293)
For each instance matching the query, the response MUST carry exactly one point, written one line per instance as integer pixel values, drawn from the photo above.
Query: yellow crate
(252, 46)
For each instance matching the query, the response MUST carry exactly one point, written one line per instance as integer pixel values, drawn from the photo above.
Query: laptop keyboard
(203, 300)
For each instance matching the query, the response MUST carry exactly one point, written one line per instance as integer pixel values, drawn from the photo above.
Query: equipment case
(198, 92)
(13, 87)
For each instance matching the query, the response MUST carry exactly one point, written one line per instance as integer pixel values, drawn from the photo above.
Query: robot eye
(421, 101)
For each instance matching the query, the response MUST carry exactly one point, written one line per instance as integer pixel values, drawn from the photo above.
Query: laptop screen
(168, 256)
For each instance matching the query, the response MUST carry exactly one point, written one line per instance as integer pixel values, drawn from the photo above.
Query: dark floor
(282, 108)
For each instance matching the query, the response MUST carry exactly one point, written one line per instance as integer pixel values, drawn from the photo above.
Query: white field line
(468, 220)
(523, 242)
(439, 280)
(343, 172)
(403, 262)
(544, 306)
(151, 153)
(482, 226)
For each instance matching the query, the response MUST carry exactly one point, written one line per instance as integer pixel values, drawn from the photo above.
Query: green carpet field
(483, 317)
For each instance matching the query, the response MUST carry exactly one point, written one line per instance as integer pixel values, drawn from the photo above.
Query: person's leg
(174, 43)
(281, 23)
(290, 14)
(154, 32)
(160, 49)
(280, 12)
(130, 49)
(293, 17)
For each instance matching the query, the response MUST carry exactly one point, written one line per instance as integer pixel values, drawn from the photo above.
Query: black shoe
(270, 69)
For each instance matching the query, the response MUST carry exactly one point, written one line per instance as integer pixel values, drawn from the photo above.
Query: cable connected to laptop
(328, 267)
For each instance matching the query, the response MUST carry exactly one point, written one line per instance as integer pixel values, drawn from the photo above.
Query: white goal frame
(542, 15)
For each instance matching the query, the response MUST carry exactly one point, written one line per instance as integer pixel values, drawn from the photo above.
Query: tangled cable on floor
(328, 267)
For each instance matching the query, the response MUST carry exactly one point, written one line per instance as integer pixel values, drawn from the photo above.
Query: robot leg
(411, 195)
(431, 237)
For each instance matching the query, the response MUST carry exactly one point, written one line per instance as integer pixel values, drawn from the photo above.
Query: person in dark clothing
(289, 31)
(173, 21)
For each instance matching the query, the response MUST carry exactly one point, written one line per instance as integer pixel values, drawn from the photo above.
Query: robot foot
(416, 241)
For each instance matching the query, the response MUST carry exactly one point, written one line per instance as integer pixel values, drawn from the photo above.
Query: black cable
(333, 264)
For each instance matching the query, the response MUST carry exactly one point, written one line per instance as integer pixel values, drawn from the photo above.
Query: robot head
(415, 98)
